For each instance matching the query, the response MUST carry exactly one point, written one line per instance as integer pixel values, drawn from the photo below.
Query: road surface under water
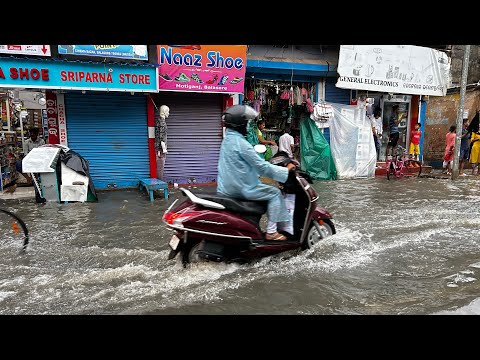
(406, 246)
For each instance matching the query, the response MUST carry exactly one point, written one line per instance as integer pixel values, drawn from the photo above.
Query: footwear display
(215, 77)
(166, 77)
(236, 80)
(223, 80)
(182, 78)
(196, 78)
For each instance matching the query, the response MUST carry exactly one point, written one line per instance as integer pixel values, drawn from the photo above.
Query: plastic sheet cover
(315, 155)
(351, 142)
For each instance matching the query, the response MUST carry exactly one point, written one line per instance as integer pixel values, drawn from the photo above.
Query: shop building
(197, 82)
(102, 110)
(384, 75)
(308, 70)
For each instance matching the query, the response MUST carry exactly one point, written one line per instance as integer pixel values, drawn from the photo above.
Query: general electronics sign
(138, 52)
(202, 68)
(404, 69)
(26, 73)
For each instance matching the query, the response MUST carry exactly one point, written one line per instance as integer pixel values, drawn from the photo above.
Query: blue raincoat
(239, 168)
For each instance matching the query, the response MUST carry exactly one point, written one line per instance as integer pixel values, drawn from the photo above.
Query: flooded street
(407, 246)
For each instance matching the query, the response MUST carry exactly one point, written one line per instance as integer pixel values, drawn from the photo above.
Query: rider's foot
(275, 236)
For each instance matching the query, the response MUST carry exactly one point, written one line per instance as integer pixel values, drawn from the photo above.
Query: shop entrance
(20, 110)
(281, 104)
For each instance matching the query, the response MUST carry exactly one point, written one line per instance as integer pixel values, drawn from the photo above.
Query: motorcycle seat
(237, 205)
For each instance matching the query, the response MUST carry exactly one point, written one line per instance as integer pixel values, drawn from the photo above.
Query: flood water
(406, 246)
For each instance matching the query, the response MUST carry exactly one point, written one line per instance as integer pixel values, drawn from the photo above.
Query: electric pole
(463, 88)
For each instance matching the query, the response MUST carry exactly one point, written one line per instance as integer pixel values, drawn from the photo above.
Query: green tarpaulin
(315, 155)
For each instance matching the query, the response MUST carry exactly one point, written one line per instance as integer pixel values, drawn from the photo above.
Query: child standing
(449, 146)
(415, 142)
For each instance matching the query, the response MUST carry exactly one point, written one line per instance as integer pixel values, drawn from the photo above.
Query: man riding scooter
(240, 167)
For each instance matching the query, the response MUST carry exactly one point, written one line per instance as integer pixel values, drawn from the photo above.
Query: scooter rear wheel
(313, 236)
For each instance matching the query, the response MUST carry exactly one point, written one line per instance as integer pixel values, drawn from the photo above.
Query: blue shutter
(194, 136)
(334, 94)
(110, 131)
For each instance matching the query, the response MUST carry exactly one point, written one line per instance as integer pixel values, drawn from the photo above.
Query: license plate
(174, 241)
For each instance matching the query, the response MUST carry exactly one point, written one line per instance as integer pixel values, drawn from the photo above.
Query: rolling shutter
(194, 136)
(110, 131)
(334, 94)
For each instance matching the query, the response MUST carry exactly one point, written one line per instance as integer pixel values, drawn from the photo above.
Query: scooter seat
(237, 205)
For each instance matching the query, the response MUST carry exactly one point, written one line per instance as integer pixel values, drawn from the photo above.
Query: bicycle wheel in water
(13, 231)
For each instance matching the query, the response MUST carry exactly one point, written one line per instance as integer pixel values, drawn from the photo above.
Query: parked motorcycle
(214, 227)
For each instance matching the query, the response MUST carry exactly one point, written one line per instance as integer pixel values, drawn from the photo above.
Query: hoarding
(202, 68)
(404, 69)
(40, 50)
(138, 52)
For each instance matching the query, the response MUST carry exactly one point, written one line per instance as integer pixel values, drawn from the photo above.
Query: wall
(456, 64)
(441, 114)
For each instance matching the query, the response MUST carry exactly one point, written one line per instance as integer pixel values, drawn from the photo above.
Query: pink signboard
(202, 68)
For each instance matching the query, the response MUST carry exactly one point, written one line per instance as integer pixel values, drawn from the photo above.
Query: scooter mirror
(260, 148)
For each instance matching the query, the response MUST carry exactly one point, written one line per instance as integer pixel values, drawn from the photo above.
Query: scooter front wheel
(190, 252)
(314, 236)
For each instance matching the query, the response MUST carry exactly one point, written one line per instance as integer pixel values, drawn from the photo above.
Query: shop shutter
(194, 136)
(110, 131)
(334, 94)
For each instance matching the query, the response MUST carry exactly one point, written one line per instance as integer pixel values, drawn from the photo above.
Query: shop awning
(282, 70)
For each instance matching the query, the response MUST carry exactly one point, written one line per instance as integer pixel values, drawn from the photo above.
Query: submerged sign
(404, 69)
(202, 68)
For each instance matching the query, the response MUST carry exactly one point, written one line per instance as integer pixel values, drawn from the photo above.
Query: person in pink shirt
(449, 147)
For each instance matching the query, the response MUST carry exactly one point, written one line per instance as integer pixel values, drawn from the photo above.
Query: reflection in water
(402, 247)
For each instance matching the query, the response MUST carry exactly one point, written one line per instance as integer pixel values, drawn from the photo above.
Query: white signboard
(42, 159)
(403, 69)
(40, 50)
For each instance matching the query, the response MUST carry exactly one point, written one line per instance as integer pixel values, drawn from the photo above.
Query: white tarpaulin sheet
(42, 159)
(404, 69)
(351, 142)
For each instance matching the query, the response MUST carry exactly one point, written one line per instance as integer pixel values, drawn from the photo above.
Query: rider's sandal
(275, 236)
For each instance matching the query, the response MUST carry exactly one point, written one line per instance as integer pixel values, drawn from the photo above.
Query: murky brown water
(408, 246)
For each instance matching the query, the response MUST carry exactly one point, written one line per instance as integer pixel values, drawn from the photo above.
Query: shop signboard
(40, 50)
(49, 74)
(52, 117)
(137, 52)
(403, 69)
(202, 68)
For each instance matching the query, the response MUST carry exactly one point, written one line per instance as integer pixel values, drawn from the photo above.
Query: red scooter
(214, 227)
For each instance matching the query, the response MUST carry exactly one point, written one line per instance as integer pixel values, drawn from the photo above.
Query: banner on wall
(47, 74)
(404, 69)
(138, 52)
(202, 68)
